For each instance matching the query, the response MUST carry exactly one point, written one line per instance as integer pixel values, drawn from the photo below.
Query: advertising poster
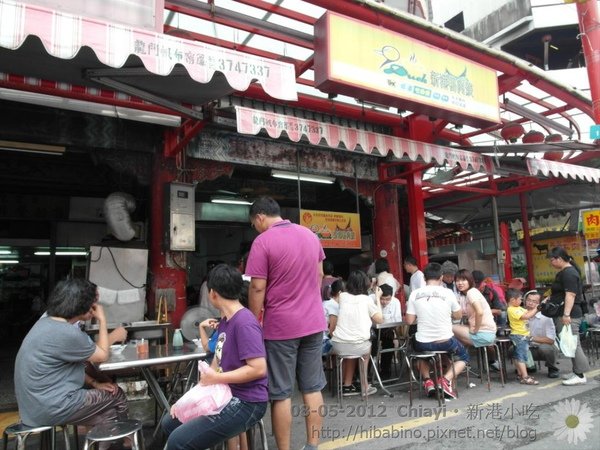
(334, 229)
(574, 245)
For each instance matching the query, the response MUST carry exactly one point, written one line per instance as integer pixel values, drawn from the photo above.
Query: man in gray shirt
(542, 334)
(50, 381)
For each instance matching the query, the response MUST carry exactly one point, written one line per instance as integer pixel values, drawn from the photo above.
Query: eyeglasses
(531, 292)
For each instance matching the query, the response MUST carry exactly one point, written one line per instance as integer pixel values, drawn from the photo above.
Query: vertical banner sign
(334, 229)
(591, 223)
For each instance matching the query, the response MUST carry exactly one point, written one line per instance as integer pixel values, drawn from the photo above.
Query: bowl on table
(117, 349)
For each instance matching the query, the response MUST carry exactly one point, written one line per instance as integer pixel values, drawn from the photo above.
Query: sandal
(529, 380)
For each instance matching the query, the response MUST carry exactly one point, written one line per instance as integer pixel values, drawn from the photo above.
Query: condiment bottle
(177, 339)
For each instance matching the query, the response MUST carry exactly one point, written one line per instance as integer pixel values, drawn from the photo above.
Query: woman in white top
(352, 333)
(481, 330)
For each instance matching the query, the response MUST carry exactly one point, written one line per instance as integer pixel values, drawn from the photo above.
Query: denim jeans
(208, 431)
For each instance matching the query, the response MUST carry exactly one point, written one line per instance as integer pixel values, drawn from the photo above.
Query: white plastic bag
(567, 341)
(202, 400)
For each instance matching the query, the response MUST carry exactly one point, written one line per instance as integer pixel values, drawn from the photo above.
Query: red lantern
(533, 137)
(554, 137)
(512, 131)
(553, 156)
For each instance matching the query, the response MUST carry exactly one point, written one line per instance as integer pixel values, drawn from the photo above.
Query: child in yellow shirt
(519, 333)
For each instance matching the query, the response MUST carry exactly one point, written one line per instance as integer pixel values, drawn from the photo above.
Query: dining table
(157, 355)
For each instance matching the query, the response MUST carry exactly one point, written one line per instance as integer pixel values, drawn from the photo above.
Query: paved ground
(513, 417)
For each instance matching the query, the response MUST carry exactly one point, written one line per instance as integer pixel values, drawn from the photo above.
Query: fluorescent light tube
(47, 253)
(30, 147)
(230, 201)
(302, 176)
(5, 252)
(9, 261)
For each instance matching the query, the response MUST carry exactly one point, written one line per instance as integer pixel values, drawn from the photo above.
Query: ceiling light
(302, 177)
(230, 201)
(9, 261)
(66, 253)
(120, 112)
(5, 252)
(29, 147)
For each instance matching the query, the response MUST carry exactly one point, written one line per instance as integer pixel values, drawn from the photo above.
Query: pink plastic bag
(202, 400)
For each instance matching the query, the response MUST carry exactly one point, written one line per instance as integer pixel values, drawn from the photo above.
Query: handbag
(551, 308)
(202, 400)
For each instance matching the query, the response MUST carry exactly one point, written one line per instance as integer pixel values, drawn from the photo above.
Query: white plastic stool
(112, 431)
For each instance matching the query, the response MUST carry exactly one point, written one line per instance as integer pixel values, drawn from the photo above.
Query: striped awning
(252, 121)
(563, 169)
(68, 37)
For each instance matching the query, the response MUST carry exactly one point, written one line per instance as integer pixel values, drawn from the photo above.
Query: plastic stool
(21, 432)
(112, 431)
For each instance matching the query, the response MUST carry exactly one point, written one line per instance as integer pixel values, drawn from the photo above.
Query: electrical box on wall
(182, 224)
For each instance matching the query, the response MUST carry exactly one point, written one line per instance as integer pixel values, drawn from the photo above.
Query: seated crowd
(448, 310)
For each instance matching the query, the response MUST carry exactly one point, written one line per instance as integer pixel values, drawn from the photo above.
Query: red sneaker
(446, 387)
(429, 387)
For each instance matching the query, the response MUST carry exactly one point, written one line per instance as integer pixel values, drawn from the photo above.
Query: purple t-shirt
(287, 256)
(240, 338)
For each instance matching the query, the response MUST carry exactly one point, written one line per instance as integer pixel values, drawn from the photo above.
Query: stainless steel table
(157, 355)
(131, 327)
(400, 330)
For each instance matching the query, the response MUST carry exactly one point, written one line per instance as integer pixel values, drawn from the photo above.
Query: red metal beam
(589, 25)
(186, 34)
(177, 139)
(211, 17)
(280, 11)
(527, 241)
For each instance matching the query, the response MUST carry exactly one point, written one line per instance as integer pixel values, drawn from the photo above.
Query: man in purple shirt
(286, 267)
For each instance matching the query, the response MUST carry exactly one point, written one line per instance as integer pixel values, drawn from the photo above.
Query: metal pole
(299, 187)
(499, 255)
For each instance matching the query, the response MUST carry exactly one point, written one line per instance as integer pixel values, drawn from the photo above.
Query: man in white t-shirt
(435, 306)
(391, 310)
(417, 279)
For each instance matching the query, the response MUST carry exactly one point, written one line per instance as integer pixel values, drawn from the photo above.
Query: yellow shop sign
(334, 229)
(371, 63)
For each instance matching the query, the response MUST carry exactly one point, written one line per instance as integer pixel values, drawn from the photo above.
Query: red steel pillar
(386, 227)
(589, 26)
(527, 241)
(416, 218)
(505, 239)
(163, 276)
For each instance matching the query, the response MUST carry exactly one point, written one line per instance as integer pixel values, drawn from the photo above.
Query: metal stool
(362, 370)
(112, 431)
(503, 344)
(425, 356)
(482, 361)
(21, 432)
(439, 354)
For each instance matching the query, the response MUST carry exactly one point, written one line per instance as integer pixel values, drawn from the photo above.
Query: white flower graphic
(572, 420)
